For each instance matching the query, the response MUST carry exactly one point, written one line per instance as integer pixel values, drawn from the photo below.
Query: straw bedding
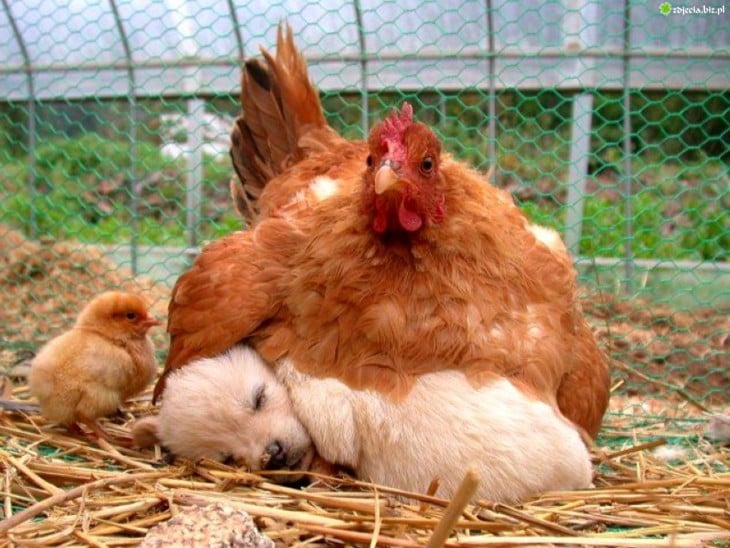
(59, 490)
(660, 480)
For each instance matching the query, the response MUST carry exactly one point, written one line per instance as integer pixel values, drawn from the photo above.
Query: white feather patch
(318, 190)
(323, 187)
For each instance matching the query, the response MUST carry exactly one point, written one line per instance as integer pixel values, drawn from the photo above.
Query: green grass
(674, 215)
(70, 201)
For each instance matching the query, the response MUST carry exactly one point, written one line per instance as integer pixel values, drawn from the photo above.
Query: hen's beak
(386, 177)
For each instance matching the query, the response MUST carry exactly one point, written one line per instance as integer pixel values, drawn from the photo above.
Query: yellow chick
(89, 371)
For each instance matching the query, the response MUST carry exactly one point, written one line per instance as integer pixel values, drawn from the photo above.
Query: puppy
(229, 408)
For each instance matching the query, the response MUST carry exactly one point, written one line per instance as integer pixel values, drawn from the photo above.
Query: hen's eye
(427, 164)
(369, 160)
(259, 399)
(131, 316)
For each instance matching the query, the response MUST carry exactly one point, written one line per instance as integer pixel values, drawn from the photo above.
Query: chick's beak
(385, 177)
(151, 322)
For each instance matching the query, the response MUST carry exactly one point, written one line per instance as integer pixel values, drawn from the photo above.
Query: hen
(89, 371)
(388, 274)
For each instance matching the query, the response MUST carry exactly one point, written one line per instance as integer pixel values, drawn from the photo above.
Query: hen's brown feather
(240, 273)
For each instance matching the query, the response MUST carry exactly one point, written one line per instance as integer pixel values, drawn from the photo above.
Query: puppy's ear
(145, 432)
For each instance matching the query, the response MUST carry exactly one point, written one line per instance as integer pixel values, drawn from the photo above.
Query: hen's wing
(231, 289)
(584, 387)
(584, 391)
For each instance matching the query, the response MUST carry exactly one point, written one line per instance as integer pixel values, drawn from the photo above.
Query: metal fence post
(579, 37)
(132, 172)
(364, 102)
(492, 98)
(194, 121)
(194, 159)
(28, 67)
(580, 148)
(627, 170)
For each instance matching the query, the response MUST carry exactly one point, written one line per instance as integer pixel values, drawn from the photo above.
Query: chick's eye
(369, 160)
(131, 316)
(427, 164)
(259, 398)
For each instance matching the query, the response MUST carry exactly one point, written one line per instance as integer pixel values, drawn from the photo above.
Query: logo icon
(665, 8)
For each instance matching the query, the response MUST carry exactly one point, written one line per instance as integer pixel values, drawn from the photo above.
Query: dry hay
(58, 490)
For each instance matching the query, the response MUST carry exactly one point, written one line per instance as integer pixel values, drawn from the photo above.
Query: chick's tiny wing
(231, 289)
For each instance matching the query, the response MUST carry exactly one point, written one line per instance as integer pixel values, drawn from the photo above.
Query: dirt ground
(663, 352)
(656, 351)
(44, 285)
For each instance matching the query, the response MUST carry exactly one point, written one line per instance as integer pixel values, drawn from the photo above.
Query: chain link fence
(606, 120)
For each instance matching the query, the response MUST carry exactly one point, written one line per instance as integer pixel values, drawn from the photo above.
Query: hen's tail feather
(299, 98)
(280, 105)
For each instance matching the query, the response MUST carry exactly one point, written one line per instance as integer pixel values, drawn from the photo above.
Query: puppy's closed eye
(259, 398)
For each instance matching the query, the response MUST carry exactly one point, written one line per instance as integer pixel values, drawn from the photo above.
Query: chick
(89, 371)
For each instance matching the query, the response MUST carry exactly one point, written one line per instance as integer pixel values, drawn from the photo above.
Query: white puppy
(230, 407)
(518, 445)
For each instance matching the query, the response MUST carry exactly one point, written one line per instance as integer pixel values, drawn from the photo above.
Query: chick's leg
(99, 400)
(75, 429)
(100, 433)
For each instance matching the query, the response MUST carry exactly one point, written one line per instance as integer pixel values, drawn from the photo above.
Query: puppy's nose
(276, 455)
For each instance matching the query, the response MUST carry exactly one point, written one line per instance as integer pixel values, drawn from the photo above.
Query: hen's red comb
(394, 126)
